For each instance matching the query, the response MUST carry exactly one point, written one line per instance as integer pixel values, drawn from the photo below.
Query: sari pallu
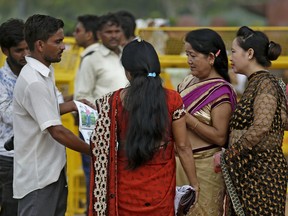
(256, 183)
(254, 167)
(200, 94)
(103, 183)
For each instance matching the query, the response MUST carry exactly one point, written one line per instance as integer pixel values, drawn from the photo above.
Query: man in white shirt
(105, 73)
(128, 24)
(15, 48)
(85, 34)
(39, 136)
(100, 71)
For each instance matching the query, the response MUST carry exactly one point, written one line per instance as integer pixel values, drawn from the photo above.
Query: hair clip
(139, 39)
(217, 53)
(270, 44)
(153, 74)
(249, 36)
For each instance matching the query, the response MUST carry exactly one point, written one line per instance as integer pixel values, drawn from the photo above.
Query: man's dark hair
(40, 27)
(128, 23)
(90, 23)
(109, 18)
(11, 33)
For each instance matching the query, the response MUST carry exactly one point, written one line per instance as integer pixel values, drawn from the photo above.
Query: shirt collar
(90, 48)
(105, 51)
(39, 66)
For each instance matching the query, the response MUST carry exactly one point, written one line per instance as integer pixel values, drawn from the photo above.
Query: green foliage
(68, 10)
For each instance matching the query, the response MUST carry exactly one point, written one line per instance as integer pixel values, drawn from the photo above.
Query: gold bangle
(195, 125)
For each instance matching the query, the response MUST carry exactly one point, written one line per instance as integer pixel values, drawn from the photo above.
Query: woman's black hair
(208, 41)
(264, 51)
(145, 101)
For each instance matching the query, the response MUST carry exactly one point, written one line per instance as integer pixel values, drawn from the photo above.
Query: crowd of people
(148, 139)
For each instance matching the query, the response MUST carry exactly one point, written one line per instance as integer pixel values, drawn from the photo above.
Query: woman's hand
(197, 191)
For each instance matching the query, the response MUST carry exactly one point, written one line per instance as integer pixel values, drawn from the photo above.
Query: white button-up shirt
(100, 73)
(38, 158)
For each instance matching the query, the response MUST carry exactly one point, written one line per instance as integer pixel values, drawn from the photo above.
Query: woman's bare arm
(184, 151)
(216, 133)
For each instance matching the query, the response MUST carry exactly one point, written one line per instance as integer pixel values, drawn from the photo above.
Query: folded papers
(184, 199)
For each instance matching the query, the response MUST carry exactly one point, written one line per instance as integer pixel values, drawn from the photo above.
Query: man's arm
(68, 139)
(70, 106)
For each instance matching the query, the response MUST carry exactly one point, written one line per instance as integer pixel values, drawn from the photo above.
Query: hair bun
(273, 51)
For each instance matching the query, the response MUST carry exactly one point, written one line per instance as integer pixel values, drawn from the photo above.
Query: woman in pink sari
(209, 100)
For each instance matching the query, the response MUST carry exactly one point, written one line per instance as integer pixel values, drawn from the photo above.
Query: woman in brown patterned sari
(254, 167)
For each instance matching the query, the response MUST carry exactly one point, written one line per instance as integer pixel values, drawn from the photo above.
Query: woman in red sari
(133, 170)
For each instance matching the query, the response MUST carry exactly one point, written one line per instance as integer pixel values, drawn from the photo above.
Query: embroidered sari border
(103, 182)
(231, 189)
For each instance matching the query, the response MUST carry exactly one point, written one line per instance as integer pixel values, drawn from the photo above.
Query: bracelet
(195, 125)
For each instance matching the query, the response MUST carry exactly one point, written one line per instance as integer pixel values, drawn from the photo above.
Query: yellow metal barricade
(65, 72)
(172, 37)
(2, 58)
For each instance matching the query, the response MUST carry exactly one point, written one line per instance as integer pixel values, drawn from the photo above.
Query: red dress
(150, 189)
(147, 190)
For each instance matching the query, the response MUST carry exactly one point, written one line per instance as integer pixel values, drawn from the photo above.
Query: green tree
(68, 10)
